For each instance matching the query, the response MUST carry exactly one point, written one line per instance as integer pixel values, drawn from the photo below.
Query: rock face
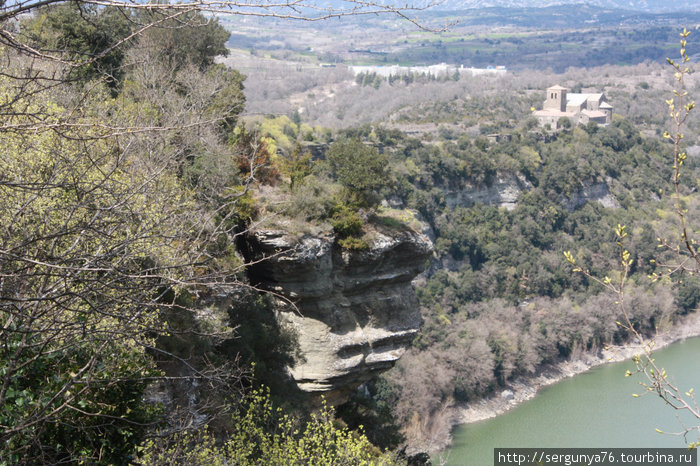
(356, 310)
(503, 191)
(598, 192)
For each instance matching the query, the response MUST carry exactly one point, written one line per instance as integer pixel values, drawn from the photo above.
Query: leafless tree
(119, 211)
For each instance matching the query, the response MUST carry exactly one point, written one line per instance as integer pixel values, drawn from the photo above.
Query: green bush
(359, 168)
(264, 435)
(346, 222)
(353, 243)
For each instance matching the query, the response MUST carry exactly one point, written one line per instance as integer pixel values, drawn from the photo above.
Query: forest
(130, 334)
(135, 157)
(499, 300)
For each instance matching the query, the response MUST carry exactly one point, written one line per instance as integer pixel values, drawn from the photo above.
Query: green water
(593, 409)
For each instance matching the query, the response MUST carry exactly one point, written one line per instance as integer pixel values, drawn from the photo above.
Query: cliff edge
(355, 311)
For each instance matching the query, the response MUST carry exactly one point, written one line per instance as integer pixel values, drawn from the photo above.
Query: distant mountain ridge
(648, 6)
(561, 16)
(631, 6)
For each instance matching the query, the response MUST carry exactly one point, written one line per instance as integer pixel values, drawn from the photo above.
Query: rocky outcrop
(354, 313)
(502, 191)
(505, 188)
(597, 192)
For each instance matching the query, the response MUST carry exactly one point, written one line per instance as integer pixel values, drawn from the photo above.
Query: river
(593, 409)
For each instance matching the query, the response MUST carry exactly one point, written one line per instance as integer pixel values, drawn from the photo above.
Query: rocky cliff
(597, 192)
(354, 313)
(502, 191)
(505, 188)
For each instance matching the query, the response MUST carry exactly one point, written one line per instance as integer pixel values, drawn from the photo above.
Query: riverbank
(525, 388)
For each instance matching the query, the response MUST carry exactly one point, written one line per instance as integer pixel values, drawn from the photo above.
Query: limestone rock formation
(505, 188)
(598, 192)
(502, 191)
(356, 311)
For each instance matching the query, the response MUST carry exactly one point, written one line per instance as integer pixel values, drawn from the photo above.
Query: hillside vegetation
(499, 300)
(129, 332)
(129, 178)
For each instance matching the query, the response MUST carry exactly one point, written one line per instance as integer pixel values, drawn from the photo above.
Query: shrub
(264, 434)
(353, 243)
(346, 222)
(312, 200)
(359, 168)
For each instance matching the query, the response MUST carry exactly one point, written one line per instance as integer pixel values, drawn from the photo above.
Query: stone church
(578, 108)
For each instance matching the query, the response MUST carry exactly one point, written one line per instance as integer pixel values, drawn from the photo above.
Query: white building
(443, 69)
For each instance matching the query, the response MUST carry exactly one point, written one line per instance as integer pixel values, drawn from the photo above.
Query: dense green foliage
(500, 300)
(551, 214)
(359, 168)
(86, 35)
(263, 434)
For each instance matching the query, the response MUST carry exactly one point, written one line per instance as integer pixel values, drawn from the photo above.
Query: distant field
(477, 40)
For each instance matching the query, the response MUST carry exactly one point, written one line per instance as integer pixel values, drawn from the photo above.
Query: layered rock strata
(597, 192)
(503, 191)
(354, 313)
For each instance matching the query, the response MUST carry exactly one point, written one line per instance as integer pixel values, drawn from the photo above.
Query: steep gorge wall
(502, 191)
(597, 192)
(356, 311)
(505, 189)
